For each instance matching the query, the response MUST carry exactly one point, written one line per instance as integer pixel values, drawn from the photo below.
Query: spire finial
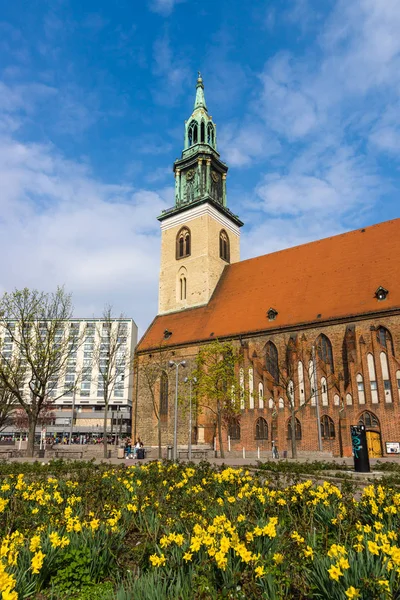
(200, 101)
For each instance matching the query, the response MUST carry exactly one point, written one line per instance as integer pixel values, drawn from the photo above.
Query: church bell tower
(199, 235)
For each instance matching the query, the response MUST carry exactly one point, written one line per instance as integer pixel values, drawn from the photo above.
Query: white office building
(77, 397)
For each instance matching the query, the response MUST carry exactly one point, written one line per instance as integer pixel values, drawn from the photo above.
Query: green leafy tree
(38, 343)
(218, 389)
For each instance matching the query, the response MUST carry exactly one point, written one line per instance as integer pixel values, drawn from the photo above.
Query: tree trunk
(32, 420)
(294, 441)
(159, 437)
(105, 430)
(221, 446)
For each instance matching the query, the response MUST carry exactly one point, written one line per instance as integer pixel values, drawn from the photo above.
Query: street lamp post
(191, 381)
(176, 365)
(72, 418)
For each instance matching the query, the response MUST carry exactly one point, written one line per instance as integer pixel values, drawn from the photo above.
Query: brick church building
(333, 304)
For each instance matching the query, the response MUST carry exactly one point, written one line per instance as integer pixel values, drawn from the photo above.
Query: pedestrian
(128, 448)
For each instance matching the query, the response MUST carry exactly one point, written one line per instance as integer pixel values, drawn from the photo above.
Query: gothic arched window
(224, 250)
(271, 361)
(202, 132)
(298, 429)
(234, 429)
(192, 133)
(324, 349)
(183, 243)
(210, 134)
(384, 337)
(368, 419)
(163, 394)
(327, 428)
(261, 429)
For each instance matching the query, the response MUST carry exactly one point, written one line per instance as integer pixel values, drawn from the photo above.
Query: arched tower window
(271, 361)
(183, 243)
(202, 132)
(384, 337)
(164, 394)
(327, 428)
(193, 133)
(261, 429)
(224, 250)
(324, 349)
(210, 134)
(183, 286)
(368, 419)
(289, 429)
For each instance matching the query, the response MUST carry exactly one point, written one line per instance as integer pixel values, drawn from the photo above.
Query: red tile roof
(327, 279)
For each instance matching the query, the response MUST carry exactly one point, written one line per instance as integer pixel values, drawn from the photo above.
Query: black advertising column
(360, 449)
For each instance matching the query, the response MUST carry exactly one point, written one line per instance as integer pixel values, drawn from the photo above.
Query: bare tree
(8, 404)
(38, 347)
(154, 370)
(112, 360)
(302, 376)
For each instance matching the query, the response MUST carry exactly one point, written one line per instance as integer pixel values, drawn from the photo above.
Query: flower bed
(185, 532)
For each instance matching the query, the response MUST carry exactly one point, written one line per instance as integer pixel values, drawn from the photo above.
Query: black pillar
(360, 449)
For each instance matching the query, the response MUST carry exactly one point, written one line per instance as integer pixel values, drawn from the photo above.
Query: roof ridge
(330, 237)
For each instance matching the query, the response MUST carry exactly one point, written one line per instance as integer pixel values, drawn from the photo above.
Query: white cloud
(164, 7)
(171, 70)
(60, 225)
(241, 144)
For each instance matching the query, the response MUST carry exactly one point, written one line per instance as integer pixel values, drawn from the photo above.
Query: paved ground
(229, 461)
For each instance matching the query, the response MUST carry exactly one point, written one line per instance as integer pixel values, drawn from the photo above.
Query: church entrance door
(374, 444)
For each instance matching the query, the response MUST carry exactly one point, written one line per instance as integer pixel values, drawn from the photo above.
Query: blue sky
(93, 97)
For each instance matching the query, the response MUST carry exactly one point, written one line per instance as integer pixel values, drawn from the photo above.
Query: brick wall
(351, 342)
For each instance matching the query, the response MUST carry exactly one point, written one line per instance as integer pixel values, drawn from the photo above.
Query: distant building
(340, 296)
(83, 402)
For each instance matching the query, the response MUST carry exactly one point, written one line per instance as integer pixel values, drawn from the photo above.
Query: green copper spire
(200, 129)
(200, 101)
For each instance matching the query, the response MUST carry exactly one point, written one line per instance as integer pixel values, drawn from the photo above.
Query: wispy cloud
(172, 72)
(164, 7)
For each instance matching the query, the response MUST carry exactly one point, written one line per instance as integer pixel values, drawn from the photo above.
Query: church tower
(199, 235)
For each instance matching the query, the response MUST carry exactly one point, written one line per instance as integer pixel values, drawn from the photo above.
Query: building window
(324, 392)
(224, 250)
(251, 388)
(384, 337)
(164, 394)
(298, 429)
(324, 349)
(368, 419)
(261, 429)
(327, 428)
(260, 395)
(300, 373)
(271, 361)
(372, 379)
(234, 429)
(349, 399)
(360, 389)
(183, 243)
(210, 134)
(385, 377)
(202, 132)
(183, 286)
(192, 133)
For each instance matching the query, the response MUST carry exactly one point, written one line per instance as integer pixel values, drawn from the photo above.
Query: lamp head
(171, 363)
(183, 363)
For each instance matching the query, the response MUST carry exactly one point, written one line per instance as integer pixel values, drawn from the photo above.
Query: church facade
(332, 305)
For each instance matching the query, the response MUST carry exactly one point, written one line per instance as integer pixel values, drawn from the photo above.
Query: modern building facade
(333, 305)
(76, 399)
